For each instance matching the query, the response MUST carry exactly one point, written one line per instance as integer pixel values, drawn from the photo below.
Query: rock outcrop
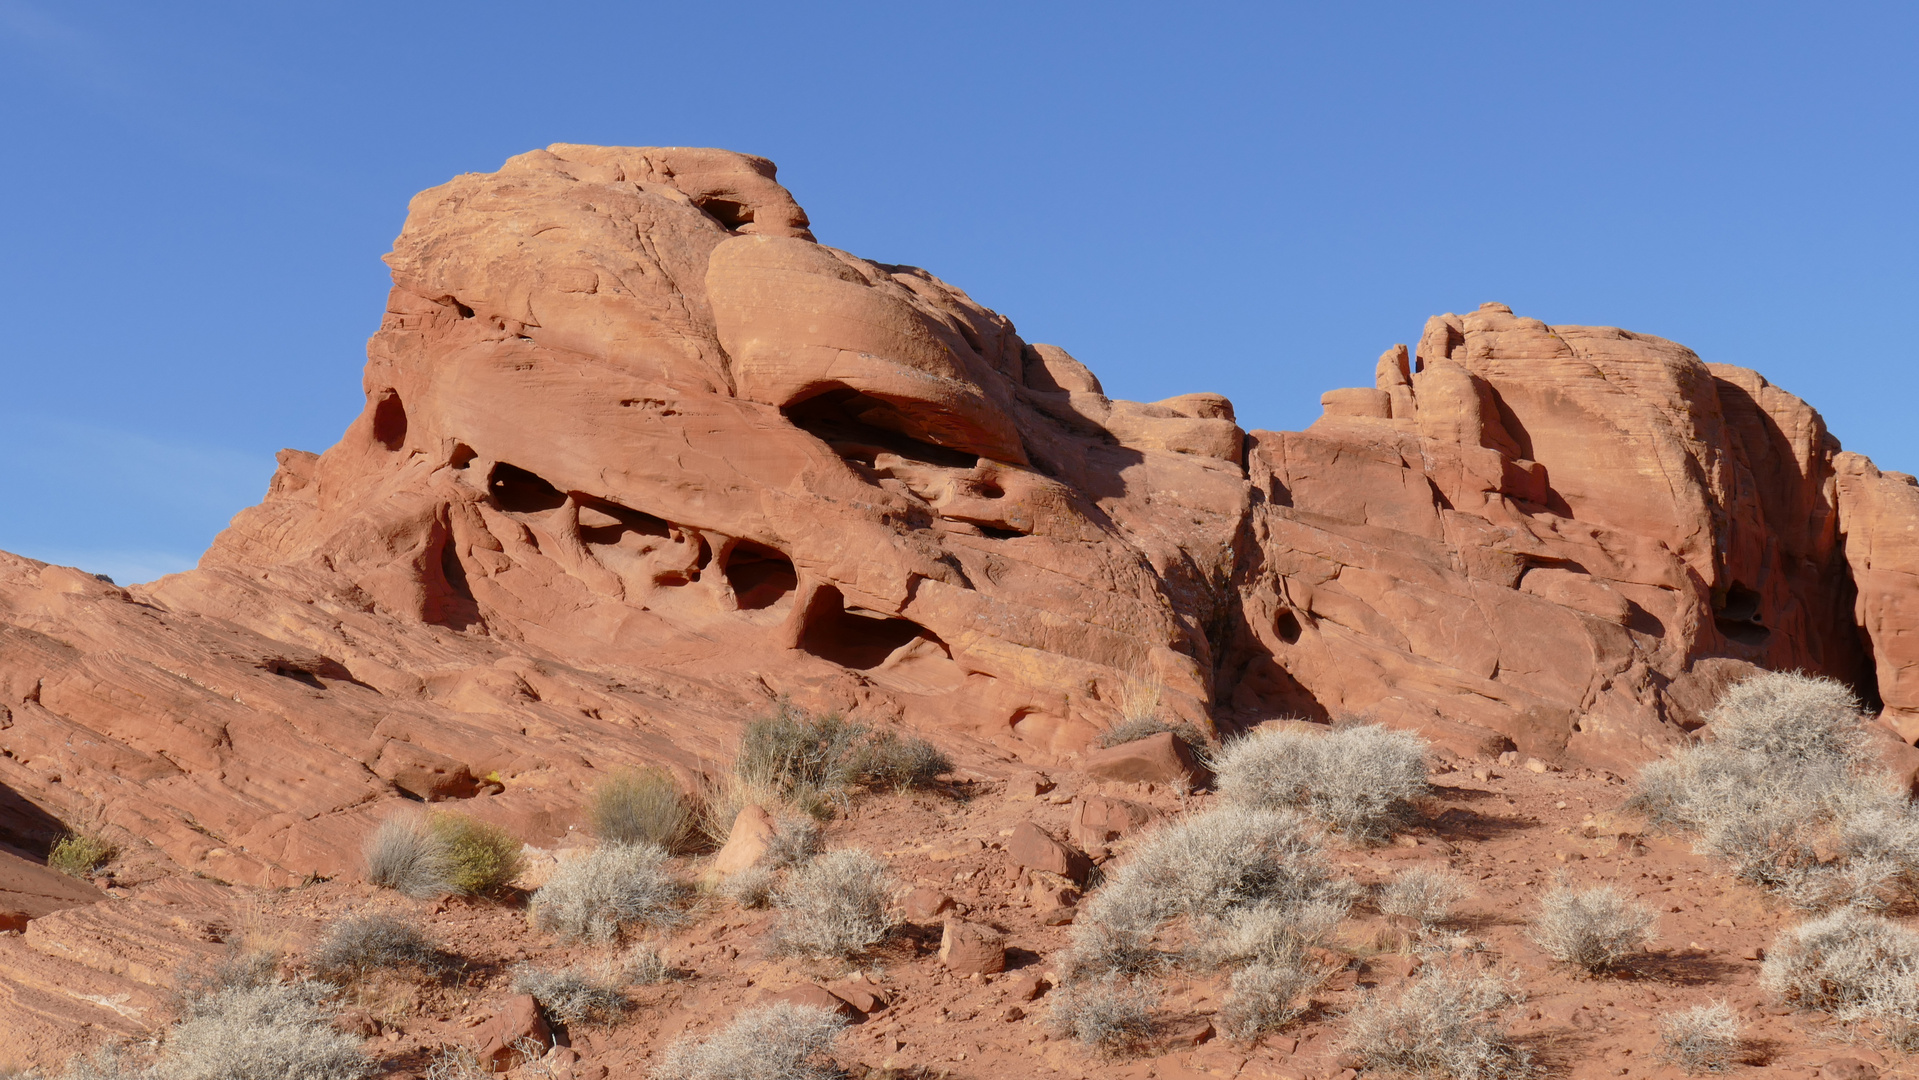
(639, 455)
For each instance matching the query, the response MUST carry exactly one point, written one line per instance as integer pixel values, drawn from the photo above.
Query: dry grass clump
(80, 852)
(1703, 1039)
(593, 895)
(1268, 993)
(1252, 887)
(772, 1042)
(795, 842)
(1445, 1023)
(403, 854)
(483, 857)
(1360, 780)
(1792, 718)
(1424, 895)
(456, 1061)
(276, 1032)
(110, 1061)
(359, 945)
(1133, 729)
(645, 965)
(812, 763)
(888, 760)
(1849, 963)
(752, 887)
(637, 806)
(239, 969)
(1596, 929)
(441, 853)
(1112, 1013)
(838, 905)
(1788, 774)
(572, 995)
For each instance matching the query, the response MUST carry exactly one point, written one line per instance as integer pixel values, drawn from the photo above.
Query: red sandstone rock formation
(638, 455)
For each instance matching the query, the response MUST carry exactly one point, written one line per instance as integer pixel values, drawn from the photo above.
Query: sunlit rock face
(639, 456)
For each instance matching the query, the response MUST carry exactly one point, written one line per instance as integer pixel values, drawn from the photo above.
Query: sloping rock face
(639, 455)
(1566, 535)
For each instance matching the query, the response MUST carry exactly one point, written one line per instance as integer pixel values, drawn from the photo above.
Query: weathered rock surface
(638, 456)
(1569, 536)
(968, 948)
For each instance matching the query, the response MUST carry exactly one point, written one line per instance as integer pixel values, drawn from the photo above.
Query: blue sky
(1253, 199)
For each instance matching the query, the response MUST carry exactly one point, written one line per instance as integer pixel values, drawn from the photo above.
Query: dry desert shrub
(482, 857)
(593, 895)
(772, 1042)
(441, 853)
(110, 1061)
(572, 995)
(811, 763)
(641, 806)
(1243, 873)
(1702, 1039)
(80, 852)
(277, 1032)
(753, 887)
(645, 965)
(405, 855)
(1445, 1023)
(1137, 728)
(1360, 780)
(356, 946)
(1112, 1013)
(795, 842)
(455, 1061)
(1424, 895)
(1595, 929)
(1786, 777)
(1267, 994)
(889, 760)
(1139, 718)
(1792, 718)
(1877, 845)
(240, 968)
(838, 905)
(1850, 963)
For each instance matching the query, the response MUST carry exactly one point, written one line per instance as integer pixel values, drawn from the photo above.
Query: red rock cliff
(638, 454)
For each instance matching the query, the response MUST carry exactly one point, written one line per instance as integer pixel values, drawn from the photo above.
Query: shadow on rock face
(25, 828)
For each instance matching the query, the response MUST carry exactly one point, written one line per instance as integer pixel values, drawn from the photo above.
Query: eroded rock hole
(389, 420)
(1286, 625)
(853, 638)
(603, 522)
(860, 427)
(759, 575)
(1739, 617)
(727, 212)
(520, 492)
(462, 456)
